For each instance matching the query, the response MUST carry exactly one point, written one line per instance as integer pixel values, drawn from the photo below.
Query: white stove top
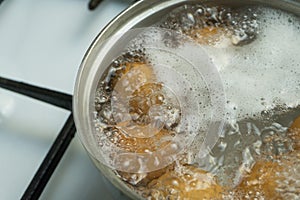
(43, 43)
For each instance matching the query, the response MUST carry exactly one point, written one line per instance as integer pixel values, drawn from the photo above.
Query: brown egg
(132, 77)
(278, 179)
(140, 145)
(139, 91)
(185, 182)
(294, 133)
(209, 35)
(138, 88)
(143, 179)
(260, 182)
(137, 85)
(272, 180)
(140, 102)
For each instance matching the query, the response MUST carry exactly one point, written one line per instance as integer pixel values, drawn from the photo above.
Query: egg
(132, 76)
(260, 182)
(294, 133)
(138, 92)
(209, 35)
(271, 179)
(186, 182)
(141, 96)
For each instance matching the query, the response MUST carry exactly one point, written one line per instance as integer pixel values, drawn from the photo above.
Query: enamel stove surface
(43, 43)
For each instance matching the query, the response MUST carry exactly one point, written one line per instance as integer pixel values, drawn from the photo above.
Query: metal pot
(142, 14)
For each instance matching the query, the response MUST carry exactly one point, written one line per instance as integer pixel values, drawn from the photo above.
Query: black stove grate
(51, 161)
(64, 138)
(62, 141)
(93, 4)
(55, 98)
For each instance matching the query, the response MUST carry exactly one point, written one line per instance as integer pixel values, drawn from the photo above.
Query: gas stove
(42, 44)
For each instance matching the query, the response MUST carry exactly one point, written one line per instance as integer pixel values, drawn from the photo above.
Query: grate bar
(51, 161)
(55, 98)
(93, 4)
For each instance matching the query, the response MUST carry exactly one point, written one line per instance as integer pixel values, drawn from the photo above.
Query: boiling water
(255, 51)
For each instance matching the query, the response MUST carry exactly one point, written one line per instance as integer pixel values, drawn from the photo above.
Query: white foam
(265, 73)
